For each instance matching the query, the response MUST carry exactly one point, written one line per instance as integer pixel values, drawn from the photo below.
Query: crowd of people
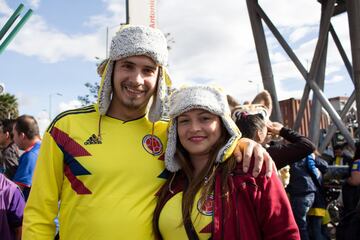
(118, 170)
(19, 144)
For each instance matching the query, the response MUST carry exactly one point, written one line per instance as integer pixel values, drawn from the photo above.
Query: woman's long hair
(204, 181)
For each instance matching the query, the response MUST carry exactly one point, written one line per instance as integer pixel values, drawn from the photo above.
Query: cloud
(37, 38)
(25, 100)
(292, 13)
(114, 16)
(210, 43)
(335, 79)
(34, 3)
(51, 45)
(300, 33)
(4, 9)
(278, 57)
(43, 121)
(214, 41)
(63, 106)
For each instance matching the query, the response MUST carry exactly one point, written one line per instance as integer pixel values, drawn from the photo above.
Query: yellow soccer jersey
(171, 217)
(105, 185)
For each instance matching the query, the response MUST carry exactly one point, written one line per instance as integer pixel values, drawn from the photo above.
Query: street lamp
(50, 102)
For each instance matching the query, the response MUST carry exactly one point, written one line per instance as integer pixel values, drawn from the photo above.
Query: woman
(253, 122)
(208, 195)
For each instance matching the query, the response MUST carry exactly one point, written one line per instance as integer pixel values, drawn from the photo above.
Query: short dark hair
(28, 125)
(7, 126)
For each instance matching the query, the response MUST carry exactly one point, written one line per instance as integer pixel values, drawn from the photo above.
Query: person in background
(316, 217)
(348, 228)
(104, 162)
(341, 156)
(12, 205)
(354, 171)
(27, 138)
(304, 188)
(9, 157)
(208, 195)
(253, 121)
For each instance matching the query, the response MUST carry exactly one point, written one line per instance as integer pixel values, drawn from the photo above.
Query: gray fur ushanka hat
(136, 41)
(199, 97)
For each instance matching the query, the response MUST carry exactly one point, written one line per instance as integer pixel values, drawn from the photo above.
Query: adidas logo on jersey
(93, 139)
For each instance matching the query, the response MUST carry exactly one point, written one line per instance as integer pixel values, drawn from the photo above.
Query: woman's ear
(263, 98)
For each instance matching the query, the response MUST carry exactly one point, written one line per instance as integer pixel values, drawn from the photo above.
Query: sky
(56, 52)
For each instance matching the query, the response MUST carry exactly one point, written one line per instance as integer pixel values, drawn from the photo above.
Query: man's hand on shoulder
(247, 148)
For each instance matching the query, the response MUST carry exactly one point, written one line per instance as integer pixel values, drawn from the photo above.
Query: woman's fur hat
(199, 97)
(262, 104)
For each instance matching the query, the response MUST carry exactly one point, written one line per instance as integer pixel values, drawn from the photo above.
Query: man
(348, 228)
(105, 162)
(305, 194)
(9, 159)
(11, 209)
(27, 138)
(342, 157)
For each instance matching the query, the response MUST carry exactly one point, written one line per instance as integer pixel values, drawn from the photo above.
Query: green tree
(91, 97)
(8, 106)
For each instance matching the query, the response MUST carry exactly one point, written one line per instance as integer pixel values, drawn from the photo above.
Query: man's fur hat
(136, 41)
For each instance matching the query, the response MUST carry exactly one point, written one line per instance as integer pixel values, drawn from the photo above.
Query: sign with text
(142, 12)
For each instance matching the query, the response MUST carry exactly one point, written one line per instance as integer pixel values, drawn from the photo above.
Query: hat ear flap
(171, 162)
(263, 98)
(105, 90)
(159, 99)
(102, 66)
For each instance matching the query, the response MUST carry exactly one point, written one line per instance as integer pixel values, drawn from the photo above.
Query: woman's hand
(274, 127)
(247, 148)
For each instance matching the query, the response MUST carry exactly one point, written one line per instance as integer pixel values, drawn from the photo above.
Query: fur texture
(232, 102)
(199, 97)
(264, 98)
(136, 41)
(262, 104)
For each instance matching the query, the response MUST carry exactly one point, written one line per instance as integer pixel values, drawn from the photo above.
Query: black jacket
(288, 153)
(9, 160)
(302, 178)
